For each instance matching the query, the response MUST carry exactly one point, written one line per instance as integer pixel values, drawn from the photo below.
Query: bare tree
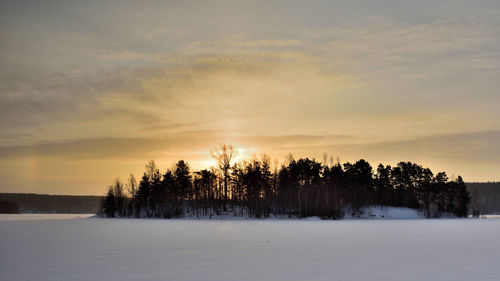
(132, 185)
(224, 154)
(119, 197)
(152, 170)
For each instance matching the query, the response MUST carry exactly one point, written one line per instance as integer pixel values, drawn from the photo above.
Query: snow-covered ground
(4, 217)
(75, 248)
(382, 212)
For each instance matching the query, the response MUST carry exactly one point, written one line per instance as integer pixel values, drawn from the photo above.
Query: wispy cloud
(240, 42)
(472, 155)
(214, 91)
(176, 78)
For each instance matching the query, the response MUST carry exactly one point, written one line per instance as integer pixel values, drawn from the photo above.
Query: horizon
(90, 92)
(241, 162)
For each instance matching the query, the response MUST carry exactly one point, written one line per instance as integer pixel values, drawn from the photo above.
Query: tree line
(485, 197)
(63, 204)
(299, 188)
(7, 207)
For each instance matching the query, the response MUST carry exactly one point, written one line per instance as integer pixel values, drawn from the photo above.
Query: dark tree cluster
(300, 188)
(7, 207)
(43, 203)
(485, 197)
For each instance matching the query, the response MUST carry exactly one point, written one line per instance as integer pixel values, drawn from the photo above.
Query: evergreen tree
(108, 204)
(183, 182)
(301, 188)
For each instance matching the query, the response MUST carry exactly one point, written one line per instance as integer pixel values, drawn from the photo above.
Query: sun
(241, 155)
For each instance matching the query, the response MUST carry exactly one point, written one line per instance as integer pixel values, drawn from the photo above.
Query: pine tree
(108, 204)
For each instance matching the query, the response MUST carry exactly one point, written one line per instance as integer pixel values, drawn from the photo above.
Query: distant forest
(300, 188)
(485, 197)
(42, 203)
(7, 207)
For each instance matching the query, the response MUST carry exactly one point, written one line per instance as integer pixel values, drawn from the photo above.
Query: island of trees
(300, 188)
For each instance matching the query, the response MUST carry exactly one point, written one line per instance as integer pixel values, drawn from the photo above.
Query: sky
(92, 90)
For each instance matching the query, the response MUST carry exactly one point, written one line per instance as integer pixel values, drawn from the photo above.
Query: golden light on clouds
(87, 99)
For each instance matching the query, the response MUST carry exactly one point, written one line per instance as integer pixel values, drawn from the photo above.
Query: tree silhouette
(299, 188)
(224, 154)
(108, 204)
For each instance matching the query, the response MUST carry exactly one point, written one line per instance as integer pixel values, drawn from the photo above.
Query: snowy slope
(150, 249)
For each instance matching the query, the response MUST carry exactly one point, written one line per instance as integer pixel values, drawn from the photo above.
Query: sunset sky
(91, 90)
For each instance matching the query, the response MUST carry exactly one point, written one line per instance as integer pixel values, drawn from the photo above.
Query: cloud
(35, 102)
(179, 78)
(241, 43)
(223, 92)
(382, 48)
(476, 147)
(187, 143)
(92, 163)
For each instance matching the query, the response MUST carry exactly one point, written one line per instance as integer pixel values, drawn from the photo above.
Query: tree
(132, 185)
(143, 196)
(224, 154)
(7, 207)
(168, 195)
(332, 177)
(183, 181)
(108, 204)
(119, 197)
(383, 185)
(302, 188)
(132, 191)
(462, 198)
(358, 184)
(305, 178)
(204, 188)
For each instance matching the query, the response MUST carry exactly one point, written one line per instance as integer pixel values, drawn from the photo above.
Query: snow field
(73, 248)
